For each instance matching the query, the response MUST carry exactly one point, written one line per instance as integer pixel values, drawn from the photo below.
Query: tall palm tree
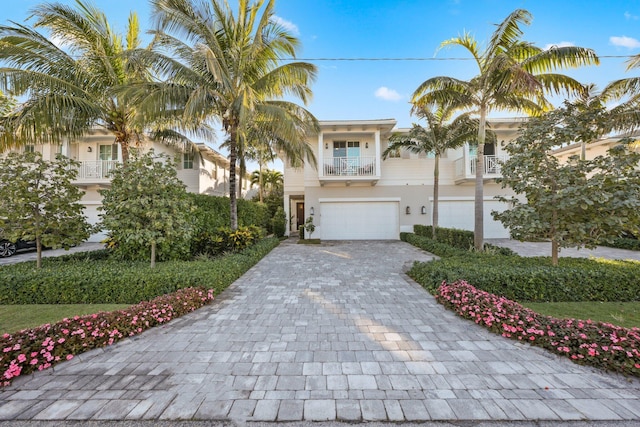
(443, 132)
(513, 75)
(69, 89)
(625, 116)
(229, 68)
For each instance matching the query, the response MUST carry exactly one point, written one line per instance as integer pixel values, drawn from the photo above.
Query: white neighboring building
(205, 171)
(353, 194)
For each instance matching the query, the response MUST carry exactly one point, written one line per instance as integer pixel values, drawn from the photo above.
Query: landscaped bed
(484, 287)
(171, 290)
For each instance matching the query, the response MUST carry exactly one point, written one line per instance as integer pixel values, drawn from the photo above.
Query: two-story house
(203, 171)
(353, 194)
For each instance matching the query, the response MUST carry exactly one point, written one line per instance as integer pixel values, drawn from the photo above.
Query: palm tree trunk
(436, 183)
(260, 183)
(233, 157)
(124, 145)
(478, 231)
(242, 168)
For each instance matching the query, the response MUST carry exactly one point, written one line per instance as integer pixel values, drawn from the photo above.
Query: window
(187, 160)
(346, 148)
(29, 148)
(108, 152)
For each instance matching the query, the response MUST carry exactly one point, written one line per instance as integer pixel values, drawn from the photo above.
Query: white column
(287, 210)
(378, 155)
(321, 154)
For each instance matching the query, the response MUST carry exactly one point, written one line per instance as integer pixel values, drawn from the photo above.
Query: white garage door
(359, 221)
(460, 214)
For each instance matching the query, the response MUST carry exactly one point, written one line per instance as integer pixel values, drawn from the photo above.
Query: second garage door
(460, 214)
(359, 220)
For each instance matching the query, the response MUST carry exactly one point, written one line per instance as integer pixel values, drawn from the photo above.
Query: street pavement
(322, 334)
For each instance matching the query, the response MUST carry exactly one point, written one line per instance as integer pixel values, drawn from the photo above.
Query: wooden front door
(300, 214)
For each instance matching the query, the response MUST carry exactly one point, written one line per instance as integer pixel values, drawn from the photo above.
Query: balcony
(466, 168)
(349, 169)
(95, 171)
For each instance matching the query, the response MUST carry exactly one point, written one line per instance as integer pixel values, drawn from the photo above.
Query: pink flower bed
(40, 348)
(590, 343)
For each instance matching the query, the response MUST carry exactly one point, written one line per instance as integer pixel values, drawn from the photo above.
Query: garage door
(460, 214)
(359, 221)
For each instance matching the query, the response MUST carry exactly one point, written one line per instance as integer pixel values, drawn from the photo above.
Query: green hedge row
(528, 278)
(91, 279)
(623, 243)
(461, 239)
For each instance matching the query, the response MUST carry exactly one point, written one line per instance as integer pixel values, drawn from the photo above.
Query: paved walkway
(321, 333)
(32, 255)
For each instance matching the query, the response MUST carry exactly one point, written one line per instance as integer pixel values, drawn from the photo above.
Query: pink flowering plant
(40, 348)
(590, 343)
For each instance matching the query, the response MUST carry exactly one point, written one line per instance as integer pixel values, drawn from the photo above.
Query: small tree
(309, 226)
(39, 202)
(577, 203)
(147, 207)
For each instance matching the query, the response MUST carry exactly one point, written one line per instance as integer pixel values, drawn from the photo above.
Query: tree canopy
(38, 201)
(580, 202)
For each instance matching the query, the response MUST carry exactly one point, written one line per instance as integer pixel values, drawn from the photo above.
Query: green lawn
(14, 318)
(625, 314)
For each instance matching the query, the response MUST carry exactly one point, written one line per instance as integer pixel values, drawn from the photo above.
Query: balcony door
(346, 157)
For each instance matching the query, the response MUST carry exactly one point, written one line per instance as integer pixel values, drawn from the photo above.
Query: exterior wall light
(423, 210)
(89, 149)
(408, 210)
(366, 145)
(312, 211)
(326, 145)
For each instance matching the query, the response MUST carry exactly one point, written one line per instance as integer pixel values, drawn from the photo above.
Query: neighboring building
(353, 194)
(593, 149)
(205, 171)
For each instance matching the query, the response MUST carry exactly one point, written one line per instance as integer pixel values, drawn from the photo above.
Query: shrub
(623, 243)
(40, 348)
(279, 222)
(596, 344)
(77, 280)
(536, 279)
(430, 245)
(461, 239)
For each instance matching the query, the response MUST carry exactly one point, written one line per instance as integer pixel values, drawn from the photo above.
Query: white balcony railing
(492, 166)
(350, 166)
(96, 169)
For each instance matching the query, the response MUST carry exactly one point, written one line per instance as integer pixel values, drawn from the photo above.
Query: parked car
(8, 248)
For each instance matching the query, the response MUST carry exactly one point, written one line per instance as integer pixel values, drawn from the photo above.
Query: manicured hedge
(83, 279)
(461, 239)
(528, 279)
(624, 243)
(213, 212)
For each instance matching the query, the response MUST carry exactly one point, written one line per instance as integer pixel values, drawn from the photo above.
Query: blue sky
(414, 29)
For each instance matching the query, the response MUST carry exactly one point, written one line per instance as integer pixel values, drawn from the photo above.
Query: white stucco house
(353, 194)
(204, 171)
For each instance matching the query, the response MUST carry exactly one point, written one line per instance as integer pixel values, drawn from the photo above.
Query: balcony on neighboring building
(92, 172)
(466, 167)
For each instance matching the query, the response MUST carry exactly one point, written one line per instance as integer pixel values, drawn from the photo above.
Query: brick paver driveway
(328, 332)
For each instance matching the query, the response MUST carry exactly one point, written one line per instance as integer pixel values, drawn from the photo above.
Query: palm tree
(70, 89)
(268, 180)
(513, 75)
(441, 134)
(228, 68)
(625, 116)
